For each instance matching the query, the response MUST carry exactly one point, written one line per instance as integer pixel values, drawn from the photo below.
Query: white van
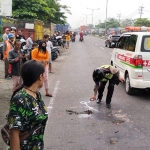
(131, 56)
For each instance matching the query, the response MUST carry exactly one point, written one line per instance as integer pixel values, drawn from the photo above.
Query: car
(111, 40)
(131, 55)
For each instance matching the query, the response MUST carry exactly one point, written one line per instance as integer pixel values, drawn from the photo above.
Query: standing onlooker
(27, 114)
(5, 35)
(5, 38)
(16, 59)
(29, 41)
(20, 35)
(13, 31)
(8, 46)
(49, 47)
(42, 55)
(67, 39)
(64, 39)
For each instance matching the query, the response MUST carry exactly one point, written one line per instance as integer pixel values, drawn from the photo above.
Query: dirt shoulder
(6, 89)
(5, 94)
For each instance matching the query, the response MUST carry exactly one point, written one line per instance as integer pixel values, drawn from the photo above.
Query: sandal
(49, 95)
(92, 99)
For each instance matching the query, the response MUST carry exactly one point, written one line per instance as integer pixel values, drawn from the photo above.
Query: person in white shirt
(49, 48)
(29, 41)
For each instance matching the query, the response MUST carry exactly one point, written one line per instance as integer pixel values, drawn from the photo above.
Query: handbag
(5, 132)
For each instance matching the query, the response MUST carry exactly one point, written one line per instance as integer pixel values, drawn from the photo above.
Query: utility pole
(141, 11)
(119, 15)
(92, 13)
(106, 17)
(86, 17)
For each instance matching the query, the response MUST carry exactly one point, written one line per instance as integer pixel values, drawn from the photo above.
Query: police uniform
(112, 74)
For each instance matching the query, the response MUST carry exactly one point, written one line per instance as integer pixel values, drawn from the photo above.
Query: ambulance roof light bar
(138, 29)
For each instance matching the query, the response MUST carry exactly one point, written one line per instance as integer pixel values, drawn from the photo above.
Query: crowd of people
(28, 65)
(27, 115)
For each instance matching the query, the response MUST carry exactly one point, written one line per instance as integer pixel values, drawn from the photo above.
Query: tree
(142, 22)
(90, 26)
(111, 23)
(59, 17)
(127, 22)
(45, 10)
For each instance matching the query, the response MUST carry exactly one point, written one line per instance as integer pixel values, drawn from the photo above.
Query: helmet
(98, 75)
(10, 35)
(13, 28)
(22, 40)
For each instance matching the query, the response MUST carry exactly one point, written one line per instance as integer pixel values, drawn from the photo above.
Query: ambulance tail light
(137, 61)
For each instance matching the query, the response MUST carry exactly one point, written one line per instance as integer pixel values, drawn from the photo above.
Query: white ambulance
(131, 55)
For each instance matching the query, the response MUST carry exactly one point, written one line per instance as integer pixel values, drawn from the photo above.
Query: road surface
(72, 127)
(74, 122)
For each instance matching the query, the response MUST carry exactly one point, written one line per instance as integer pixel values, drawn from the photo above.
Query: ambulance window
(145, 44)
(120, 43)
(131, 43)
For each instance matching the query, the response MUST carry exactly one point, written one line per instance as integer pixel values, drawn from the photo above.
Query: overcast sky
(127, 9)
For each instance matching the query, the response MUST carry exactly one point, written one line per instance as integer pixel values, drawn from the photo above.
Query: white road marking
(102, 48)
(110, 53)
(51, 102)
(89, 107)
(96, 44)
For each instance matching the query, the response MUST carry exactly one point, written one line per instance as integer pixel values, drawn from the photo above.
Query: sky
(126, 9)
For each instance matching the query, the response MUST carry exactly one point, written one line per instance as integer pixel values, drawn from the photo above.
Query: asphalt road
(75, 123)
(124, 126)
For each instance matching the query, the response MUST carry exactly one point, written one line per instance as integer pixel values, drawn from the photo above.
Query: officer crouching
(101, 76)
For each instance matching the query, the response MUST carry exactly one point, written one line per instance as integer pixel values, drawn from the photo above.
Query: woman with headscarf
(41, 54)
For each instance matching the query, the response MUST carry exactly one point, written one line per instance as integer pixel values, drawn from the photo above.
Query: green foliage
(127, 22)
(45, 10)
(111, 23)
(142, 22)
(90, 26)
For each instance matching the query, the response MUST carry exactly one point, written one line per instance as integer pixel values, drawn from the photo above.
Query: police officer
(101, 76)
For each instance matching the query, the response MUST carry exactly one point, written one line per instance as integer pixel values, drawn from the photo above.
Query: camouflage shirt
(26, 113)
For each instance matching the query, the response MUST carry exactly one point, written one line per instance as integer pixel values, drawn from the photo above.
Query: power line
(134, 13)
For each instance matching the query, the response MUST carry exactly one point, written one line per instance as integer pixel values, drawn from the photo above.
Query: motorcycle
(57, 40)
(55, 53)
(73, 38)
(81, 39)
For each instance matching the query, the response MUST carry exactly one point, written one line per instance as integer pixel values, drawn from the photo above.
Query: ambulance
(131, 55)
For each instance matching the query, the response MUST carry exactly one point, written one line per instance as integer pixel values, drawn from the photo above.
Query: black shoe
(98, 101)
(108, 105)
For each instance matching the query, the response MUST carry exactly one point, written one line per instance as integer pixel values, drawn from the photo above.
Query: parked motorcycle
(73, 38)
(55, 53)
(57, 40)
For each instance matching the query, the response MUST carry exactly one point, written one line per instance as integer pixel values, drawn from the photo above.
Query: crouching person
(101, 76)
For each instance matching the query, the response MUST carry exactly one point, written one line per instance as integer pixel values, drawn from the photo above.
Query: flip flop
(92, 99)
(49, 95)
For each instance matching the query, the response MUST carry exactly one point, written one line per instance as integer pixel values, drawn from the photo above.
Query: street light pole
(92, 13)
(106, 17)
(86, 17)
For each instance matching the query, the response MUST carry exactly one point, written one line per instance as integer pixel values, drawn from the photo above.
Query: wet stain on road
(88, 112)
